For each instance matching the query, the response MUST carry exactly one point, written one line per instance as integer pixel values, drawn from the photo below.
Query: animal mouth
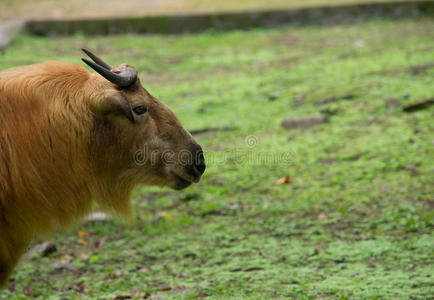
(182, 181)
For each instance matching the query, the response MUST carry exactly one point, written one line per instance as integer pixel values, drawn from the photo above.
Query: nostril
(200, 163)
(200, 167)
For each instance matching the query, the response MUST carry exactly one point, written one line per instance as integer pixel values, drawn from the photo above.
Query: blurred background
(316, 121)
(68, 9)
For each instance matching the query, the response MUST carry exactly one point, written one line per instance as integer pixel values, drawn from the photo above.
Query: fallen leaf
(82, 233)
(163, 214)
(82, 242)
(284, 180)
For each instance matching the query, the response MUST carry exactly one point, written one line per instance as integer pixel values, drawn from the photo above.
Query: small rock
(43, 249)
(97, 216)
(303, 122)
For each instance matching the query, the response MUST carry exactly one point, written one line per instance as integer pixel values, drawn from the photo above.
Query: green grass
(356, 221)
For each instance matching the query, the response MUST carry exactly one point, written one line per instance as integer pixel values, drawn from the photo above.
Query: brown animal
(69, 139)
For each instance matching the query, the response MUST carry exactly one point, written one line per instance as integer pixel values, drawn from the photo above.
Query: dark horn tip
(85, 50)
(96, 59)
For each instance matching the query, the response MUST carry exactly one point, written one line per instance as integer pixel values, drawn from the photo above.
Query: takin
(70, 139)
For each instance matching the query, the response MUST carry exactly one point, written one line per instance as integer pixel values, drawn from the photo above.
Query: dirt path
(74, 9)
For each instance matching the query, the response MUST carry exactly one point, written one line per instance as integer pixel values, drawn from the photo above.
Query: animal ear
(116, 104)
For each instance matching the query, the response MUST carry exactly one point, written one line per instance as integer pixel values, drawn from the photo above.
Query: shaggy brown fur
(65, 141)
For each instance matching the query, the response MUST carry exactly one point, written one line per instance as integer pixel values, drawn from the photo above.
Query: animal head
(136, 134)
(80, 138)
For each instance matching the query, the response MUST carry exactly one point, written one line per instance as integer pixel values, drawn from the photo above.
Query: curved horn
(96, 59)
(125, 78)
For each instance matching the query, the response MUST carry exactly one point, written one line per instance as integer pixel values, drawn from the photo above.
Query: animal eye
(140, 110)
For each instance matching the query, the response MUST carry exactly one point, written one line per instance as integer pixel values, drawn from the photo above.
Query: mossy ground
(354, 223)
